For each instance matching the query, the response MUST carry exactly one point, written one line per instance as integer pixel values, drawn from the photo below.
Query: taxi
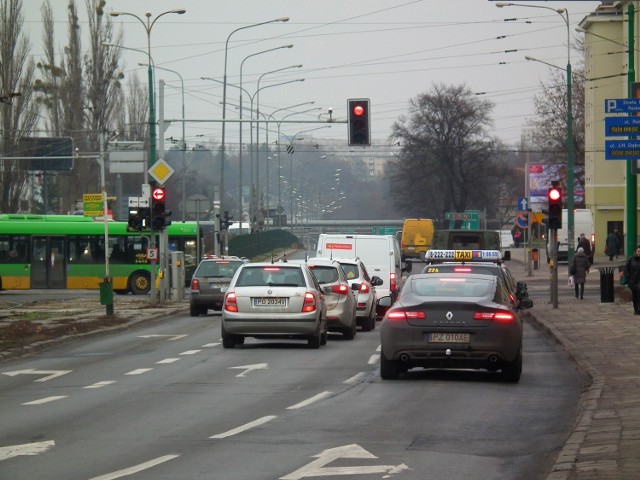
(453, 318)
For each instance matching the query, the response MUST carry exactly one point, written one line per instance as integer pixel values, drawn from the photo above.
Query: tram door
(47, 263)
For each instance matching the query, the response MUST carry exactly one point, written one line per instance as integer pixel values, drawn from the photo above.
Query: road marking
(309, 401)
(255, 423)
(190, 352)
(373, 359)
(45, 400)
(170, 338)
(207, 345)
(100, 384)
(379, 349)
(168, 360)
(355, 378)
(135, 469)
(317, 467)
(139, 371)
(25, 449)
(50, 373)
(249, 368)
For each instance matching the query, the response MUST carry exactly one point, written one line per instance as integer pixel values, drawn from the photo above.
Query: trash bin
(106, 294)
(606, 284)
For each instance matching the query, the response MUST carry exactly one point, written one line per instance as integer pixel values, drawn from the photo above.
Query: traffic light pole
(553, 266)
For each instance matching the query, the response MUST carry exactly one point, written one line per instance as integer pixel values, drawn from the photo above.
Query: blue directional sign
(621, 126)
(622, 150)
(522, 220)
(523, 204)
(622, 105)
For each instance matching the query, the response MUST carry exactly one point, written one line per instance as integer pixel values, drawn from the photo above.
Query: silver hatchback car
(274, 300)
(366, 295)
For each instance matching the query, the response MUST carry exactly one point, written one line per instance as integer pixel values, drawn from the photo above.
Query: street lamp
(148, 25)
(564, 13)
(184, 145)
(224, 100)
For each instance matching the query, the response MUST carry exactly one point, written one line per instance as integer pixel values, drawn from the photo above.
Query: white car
(366, 295)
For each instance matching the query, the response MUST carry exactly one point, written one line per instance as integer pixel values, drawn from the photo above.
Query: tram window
(13, 249)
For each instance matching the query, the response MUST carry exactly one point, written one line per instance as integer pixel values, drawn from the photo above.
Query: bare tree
(18, 114)
(447, 159)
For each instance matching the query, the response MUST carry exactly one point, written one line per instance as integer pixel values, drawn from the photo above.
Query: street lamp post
(148, 25)
(224, 101)
(564, 13)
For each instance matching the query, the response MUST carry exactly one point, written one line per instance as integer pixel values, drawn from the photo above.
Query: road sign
(141, 202)
(92, 204)
(522, 220)
(622, 105)
(152, 254)
(621, 126)
(383, 230)
(161, 171)
(622, 150)
(523, 204)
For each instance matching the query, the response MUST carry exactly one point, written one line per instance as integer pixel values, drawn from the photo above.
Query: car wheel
(350, 333)
(512, 371)
(194, 310)
(367, 324)
(314, 341)
(323, 338)
(389, 369)
(228, 341)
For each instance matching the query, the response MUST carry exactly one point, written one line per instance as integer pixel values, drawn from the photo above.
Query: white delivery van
(582, 223)
(379, 253)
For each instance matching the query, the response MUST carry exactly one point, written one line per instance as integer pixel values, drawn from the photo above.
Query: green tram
(68, 252)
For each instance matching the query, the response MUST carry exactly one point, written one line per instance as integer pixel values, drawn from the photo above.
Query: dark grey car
(210, 282)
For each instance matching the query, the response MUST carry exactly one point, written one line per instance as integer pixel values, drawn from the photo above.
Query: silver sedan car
(274, 300)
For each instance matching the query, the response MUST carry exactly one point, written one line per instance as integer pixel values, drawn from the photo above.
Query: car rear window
(324, 274)
(270, 276)
(466, 268)
(453, 287)
(219, 269)
(350, 270)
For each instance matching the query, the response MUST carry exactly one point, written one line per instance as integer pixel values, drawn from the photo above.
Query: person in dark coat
(585, 244)
(579, 269)
(632, 273)
(612, 245)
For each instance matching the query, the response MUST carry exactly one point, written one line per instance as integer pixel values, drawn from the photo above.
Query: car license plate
(269, 302)
(449, 337)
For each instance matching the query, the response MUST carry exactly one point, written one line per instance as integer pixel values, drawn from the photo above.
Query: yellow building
(605, 69)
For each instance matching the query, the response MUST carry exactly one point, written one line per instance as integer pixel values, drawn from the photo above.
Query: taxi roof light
(433, 256)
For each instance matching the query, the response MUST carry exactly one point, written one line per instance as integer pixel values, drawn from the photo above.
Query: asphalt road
(165, 401)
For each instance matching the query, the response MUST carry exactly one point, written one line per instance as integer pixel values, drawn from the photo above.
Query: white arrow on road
(171, 337)
(50, 373)
(25, 449)
(248, 368)
(317, 467)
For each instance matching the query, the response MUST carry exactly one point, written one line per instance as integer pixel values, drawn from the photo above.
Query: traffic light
(554, 195)
(134, 224)
(158, 210)
(225, 222)
(358, 120)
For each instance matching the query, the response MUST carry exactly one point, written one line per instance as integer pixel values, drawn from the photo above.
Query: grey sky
(388, 51)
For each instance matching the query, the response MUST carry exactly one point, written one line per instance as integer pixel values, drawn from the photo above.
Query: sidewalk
(604, 340)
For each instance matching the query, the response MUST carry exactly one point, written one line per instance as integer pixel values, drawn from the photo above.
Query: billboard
(541, 176)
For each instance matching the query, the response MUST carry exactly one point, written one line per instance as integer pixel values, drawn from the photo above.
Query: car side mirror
(376, 281)
(384, 302)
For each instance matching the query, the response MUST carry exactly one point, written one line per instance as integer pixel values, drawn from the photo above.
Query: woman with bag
(578, 270)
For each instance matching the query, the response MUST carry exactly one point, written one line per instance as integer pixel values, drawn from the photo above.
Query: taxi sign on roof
(464, 255)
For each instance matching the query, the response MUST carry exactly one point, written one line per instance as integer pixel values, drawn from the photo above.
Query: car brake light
(230, 304)
(462, 269)
(364, 288)
(405, 315)
(309, 304)
(498, 316)
(341, 289)
(195, 284)
(393, 284)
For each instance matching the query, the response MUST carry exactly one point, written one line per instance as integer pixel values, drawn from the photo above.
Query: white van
(582, 223)
(379, 253)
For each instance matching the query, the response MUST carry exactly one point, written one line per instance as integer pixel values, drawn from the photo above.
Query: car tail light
(195, 284)
(364, 288)
(230, 304)
(395, 315)
(462, 269)
(341, 289)
(500, 316)
(393, 283)
(309, 304)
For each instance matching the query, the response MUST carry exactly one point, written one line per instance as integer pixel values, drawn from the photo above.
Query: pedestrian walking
(517, 236)
(579, 269)
(585, 244)
(612, 245)
(632, 274)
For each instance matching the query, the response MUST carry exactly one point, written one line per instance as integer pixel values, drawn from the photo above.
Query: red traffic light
(358, 110)
(554, 194)
(158, 194)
